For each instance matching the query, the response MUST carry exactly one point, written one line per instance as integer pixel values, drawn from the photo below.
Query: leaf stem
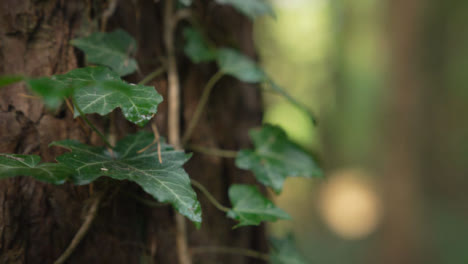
(90, 216)
(80, 121)
(174, 116)
(83, 116)
(292, 101)
(231, 250)
(201, 105)
(160, 70)
(213, 151)
(210, 197)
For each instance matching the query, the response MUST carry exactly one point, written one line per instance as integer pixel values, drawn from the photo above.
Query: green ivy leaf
(112, 49)
(166, 181)
(196, 47)
(12, 165)
(99, 90)
(275, 157)
(250, 8)
(250, 207)
(10, 79)
(236, 64)
(284, 251)
(138, 105)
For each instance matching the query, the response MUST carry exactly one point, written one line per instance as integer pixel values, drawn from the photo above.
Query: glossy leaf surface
(12, 165)
(166, 181)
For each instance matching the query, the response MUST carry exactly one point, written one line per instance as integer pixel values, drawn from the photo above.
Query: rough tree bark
(37, 221)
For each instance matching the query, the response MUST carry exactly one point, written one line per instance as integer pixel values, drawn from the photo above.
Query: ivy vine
(144, 157)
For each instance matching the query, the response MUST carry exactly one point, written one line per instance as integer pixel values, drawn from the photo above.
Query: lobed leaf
(12, 165)
(99, 90)
(275, 158)
(250, 207)
(196, 47)
(236, 64)
(284, 251)
(111, 49)
(166, 181)
(250, 8)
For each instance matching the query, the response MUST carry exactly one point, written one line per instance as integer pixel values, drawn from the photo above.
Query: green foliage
(99, 90)
(10, 79)
(166, 181)
(284, 251)
(114, 49)
(137, 158)
(57, 87)
(234, 63)
(275, 158)
(12, 165)
(250, 207)
(138, 102)
(250, 8)
(196, 47)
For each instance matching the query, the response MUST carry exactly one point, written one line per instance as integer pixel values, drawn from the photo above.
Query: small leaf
(10, 79)
(250, 207)
(234, 63)
(12, 165)
(166, 181)
(112, 49)
(275, 157)
(250, 8)
(197, 48)
(284, 251)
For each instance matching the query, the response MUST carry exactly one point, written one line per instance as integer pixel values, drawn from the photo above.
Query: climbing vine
(146, 158)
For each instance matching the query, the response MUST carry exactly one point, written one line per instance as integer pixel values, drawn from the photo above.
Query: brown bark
(37, 221)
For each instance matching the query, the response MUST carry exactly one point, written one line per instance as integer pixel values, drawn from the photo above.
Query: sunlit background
(379, 202)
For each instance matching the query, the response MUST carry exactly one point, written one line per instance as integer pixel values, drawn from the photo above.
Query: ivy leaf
(234, 63)
(12, 165)
(138, 102)
(112, 49)
(99, 90)
(250, 8)
(166, 181)
(196, 47)
(284, 251)
(10, 79)
(275, 157)
(250, 207)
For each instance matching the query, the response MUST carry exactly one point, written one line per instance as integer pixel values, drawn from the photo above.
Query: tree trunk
(38, 221)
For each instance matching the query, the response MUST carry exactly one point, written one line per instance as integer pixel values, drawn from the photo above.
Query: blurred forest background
(387, 80)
